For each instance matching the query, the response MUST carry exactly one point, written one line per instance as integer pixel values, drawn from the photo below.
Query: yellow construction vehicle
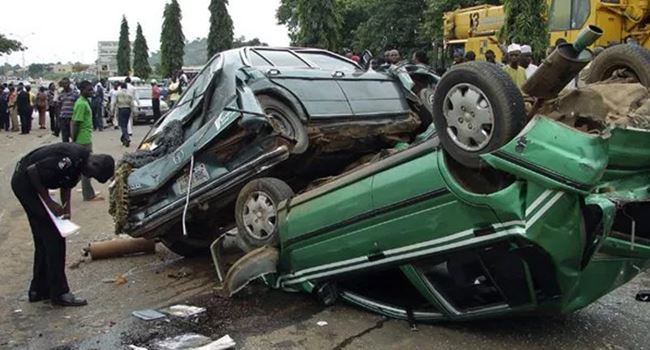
(476, 28)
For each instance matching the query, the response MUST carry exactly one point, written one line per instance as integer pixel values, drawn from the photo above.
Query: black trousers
(4, 121)
(25, 121)
(123, 115)
(54, 120)
(49, 255)
(155, 105)
(66, 132)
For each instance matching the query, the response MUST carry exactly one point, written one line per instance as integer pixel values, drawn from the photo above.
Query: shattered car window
(193, 95)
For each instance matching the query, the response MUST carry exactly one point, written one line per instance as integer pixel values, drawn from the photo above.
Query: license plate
(199, 177)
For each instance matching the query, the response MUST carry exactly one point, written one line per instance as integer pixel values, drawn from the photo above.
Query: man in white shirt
(130, 89)
(526, 61)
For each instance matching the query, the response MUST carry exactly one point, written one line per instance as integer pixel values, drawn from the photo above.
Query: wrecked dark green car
(495, 215)
(292, 114)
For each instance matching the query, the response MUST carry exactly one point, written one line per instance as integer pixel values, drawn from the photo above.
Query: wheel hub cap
(259, 215)
(469, 116)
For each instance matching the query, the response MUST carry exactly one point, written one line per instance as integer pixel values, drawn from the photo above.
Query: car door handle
(338, 74)
(273, 72)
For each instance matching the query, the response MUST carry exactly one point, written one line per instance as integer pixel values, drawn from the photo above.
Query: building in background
(107, 58)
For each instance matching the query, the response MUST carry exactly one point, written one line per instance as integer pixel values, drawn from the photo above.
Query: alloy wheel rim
(259, 215)
(469, 116)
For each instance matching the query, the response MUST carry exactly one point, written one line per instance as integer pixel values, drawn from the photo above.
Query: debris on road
(148, 314)
(118, 280)
(77, 263)
(183, 311)
(643, 295)
(181, 273)
(322, 323)
(133, 347)
(223, 343)
(185, 341)
(120, 247)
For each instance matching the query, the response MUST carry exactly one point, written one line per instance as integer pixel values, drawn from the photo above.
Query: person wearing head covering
(155, 99)
(57, 166)
(513, 69)
(526, 61)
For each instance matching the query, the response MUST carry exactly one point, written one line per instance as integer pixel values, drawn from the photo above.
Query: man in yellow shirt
(516, 72)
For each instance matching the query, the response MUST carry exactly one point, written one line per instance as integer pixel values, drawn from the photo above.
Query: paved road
(257, 319)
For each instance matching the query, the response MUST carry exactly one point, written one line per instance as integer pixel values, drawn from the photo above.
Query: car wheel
(286, 121)
(256, 212)
(477, 109)
(426, 97)
(621, 60)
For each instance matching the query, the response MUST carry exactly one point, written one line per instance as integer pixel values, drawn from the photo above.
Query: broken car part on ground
(492, 215)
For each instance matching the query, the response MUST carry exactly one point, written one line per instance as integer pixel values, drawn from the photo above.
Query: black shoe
(35, 296)
(68, 299)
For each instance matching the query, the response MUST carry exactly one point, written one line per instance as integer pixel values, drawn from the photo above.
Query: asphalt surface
(258, 318)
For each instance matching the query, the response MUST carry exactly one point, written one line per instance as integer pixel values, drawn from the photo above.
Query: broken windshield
(193, 95)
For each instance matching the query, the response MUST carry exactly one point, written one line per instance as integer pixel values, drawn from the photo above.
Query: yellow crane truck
(476, 28)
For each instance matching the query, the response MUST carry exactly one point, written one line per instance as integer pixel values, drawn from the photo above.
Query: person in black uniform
(57, 166)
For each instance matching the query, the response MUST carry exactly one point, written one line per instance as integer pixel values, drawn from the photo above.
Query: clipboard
(65, 227)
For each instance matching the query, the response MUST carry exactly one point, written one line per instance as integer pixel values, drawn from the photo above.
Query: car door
(315, 88)
(370, 94)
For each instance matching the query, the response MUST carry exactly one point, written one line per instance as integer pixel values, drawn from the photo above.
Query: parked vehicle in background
(143, 112)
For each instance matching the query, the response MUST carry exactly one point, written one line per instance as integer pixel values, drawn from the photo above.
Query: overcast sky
(68, 30)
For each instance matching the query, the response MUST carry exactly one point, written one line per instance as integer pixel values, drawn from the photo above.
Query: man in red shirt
(155, 99)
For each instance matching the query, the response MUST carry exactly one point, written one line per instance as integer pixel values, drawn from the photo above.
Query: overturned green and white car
(545, 217)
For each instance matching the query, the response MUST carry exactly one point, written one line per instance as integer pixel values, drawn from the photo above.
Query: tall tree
(141, 67)
(287, 15)
(393, 24)
(7, 46)
(319, 23)
(525, 24)
(172, 40)
(124, 49)
(221, 28)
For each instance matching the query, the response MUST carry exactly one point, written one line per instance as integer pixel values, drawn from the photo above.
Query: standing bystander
(67, 99)
(124, 106)
(155, 99)
(41, 106)
(526, 61)
(82, 133)
(97, 104)
(4, 109)
(514, 70)
(53, 104)
(13, 111)
(24, 109)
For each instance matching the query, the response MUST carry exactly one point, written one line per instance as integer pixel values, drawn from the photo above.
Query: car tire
(185, 246)
(256, 212)
(634, 59)
(477, 109)
(287, 121)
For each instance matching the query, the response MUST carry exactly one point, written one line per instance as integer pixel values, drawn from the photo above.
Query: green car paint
(557, 231)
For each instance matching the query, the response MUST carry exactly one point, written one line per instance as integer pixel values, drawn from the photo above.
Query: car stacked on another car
(290, 113)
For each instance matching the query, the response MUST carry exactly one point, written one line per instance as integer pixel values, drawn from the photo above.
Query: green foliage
(172, 40)
(7, 46)
(353, 14)
(287, 15)
(221, 28)
(525, 24)
(37, 69)
(141, 67)
(392, 24)
(318, 24)
(124, 49)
